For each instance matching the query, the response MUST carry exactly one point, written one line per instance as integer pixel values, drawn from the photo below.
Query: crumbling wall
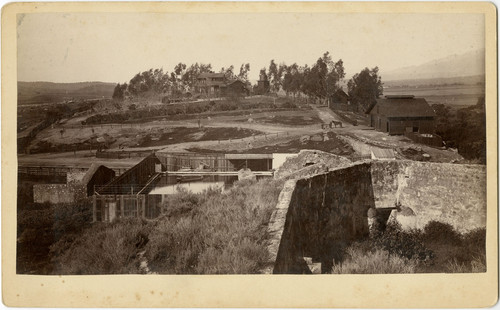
(58, 193)
(449, 193)
(307, 158)
(317, 216)
(75, 176)
(326, 212)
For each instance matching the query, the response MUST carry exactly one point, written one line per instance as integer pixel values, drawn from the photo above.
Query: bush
(104, 248)
(181, 203)
(359, 261)
(44, 225)
(402, 243)
(436, 231)
(288, 105)
(214, 232)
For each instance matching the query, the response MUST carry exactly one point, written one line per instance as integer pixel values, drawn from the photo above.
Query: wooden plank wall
(215, 162)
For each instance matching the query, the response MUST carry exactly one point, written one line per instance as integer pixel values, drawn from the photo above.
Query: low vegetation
(290, 120)
(436, 248)
(183, 134)
(465, 130)
(174, 111)
(39, 226)
(208, 233)
(333, 145)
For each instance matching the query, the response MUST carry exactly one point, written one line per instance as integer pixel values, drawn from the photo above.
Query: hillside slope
(466, 64)
(45, 92)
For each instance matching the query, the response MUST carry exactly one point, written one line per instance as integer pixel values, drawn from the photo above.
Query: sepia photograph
(251, 142)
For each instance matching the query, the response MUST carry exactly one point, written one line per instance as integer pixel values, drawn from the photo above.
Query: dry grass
(208, 233)
(478, 264)
(217, 233)
(104, 249)
(376, 262)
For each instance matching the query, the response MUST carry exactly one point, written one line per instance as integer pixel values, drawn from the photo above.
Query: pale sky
(113, 47)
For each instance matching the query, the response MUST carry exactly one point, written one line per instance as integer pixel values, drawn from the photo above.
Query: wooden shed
(97, 175)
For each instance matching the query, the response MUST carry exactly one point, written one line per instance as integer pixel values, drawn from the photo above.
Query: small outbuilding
(403, 113)
(97, 175)
(235, 88)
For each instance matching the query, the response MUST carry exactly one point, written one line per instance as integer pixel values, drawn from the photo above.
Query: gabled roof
(341, 93)
(211, 75)
(92, 170)
(234, 81)
(402, 106)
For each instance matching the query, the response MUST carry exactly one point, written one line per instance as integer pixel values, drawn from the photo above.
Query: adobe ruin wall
(317, 216)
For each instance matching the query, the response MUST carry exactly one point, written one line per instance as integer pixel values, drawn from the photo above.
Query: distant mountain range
(453, 66)
(46, 92)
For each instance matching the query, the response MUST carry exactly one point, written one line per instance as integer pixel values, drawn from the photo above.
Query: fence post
(94, 207)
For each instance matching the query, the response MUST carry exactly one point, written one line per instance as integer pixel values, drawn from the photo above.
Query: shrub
(436, 231)
(288, 105)
(104, 248)
(402, 243)
(359, 261)
(181, 203)
(214, 232)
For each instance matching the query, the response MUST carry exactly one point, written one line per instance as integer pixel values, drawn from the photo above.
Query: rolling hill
(453, 66)
(47, 92)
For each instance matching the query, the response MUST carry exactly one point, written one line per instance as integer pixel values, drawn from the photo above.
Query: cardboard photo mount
(365, 291)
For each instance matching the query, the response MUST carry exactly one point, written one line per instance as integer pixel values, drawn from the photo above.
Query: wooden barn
(403, 113)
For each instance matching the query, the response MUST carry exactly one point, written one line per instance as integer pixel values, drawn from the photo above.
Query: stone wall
(449, 193)
(326, 212)
(316, 217)
(307, 158)
(58, 193)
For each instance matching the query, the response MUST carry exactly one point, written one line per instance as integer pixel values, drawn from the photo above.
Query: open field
(47, 92)
(455, 96)
(125, 131)
(291, 120)
(53, 140)
(333, 145)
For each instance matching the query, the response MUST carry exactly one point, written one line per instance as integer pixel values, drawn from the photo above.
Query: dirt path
(363, 138)
(327, 115)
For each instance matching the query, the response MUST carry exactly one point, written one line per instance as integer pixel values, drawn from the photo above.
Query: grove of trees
(179, 81)
(365, 87)
(318, 81)
(323, 78)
